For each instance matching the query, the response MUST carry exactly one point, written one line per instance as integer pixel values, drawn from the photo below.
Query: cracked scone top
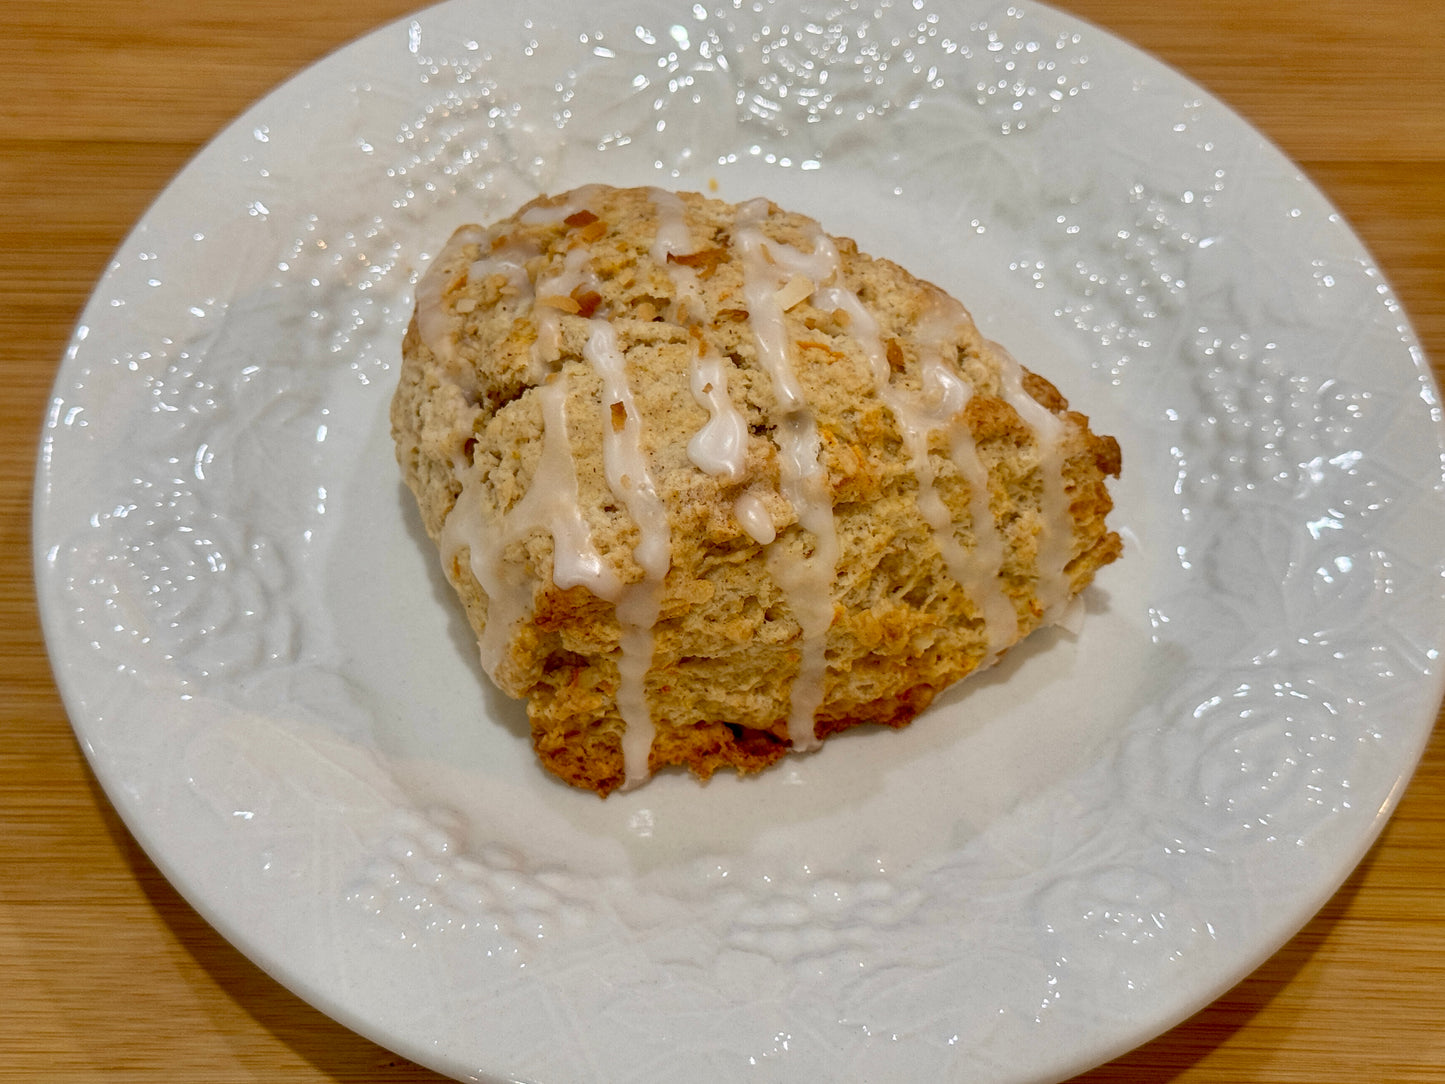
(712, 485)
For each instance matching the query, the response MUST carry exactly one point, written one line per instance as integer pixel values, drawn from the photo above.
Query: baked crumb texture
(713, 485)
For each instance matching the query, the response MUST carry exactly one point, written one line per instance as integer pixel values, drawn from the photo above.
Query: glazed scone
(712, 485)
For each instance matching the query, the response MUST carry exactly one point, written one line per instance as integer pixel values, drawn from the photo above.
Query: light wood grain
(105, 973)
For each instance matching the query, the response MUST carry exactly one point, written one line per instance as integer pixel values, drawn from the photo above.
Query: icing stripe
(550, 504)
(806, 581)
(629, 479)
(1056, 532)
(939, 408)
(753, 516)
(625, 464)
(511, 263)
(547, 347)
(672, 236)
(720, 447)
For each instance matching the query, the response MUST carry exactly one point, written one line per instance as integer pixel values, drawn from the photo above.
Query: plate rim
(131, 816)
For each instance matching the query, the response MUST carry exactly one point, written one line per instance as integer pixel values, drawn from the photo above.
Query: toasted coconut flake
(895, 356)
(797, 290)
(593, 231)
(560, 302)
(587, 301)
(813, 344)
(704, 262)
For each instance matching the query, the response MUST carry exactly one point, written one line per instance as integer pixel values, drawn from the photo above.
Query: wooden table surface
(105, 973)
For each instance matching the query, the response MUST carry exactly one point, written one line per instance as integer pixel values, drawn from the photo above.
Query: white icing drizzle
(1056, 537)
(939, 408)
(767, 267)
(625, 464)
(510, 261)
(544, 214)
(551, 501)
(672, 237)
(983, 564)
(550, 504)
(628, 478)
(807, 582)
(624, 458)
(754, 518)
(1071, 619)
(720, 447)
(432, 319)
(547, 347)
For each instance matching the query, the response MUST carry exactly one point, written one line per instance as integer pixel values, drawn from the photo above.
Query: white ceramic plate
(1057, 861)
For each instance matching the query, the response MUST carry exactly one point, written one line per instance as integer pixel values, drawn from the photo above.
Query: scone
(713, 485)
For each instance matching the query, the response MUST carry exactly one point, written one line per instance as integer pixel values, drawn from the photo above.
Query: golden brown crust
(728, 642)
